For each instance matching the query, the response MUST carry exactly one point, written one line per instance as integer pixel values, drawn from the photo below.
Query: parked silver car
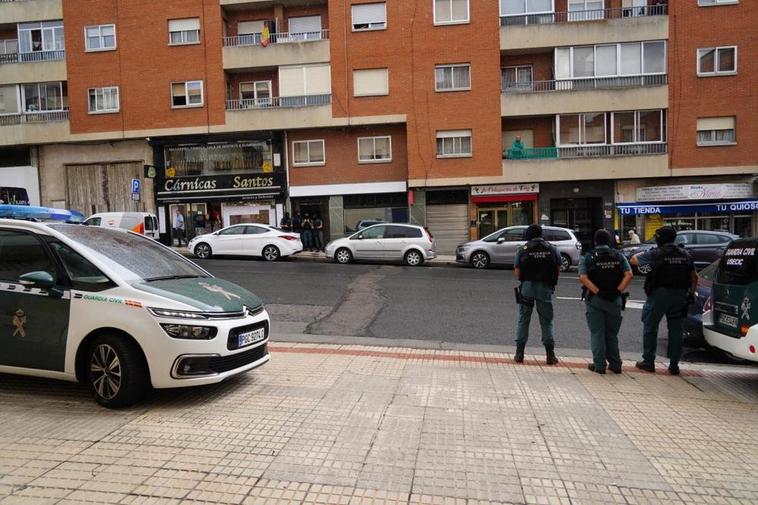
(500, 248)
(408, 243)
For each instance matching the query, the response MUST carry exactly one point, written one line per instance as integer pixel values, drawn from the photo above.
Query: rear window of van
(739, 264)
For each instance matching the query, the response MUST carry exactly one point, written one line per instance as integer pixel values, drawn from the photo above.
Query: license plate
(250, 337)
(728, 320)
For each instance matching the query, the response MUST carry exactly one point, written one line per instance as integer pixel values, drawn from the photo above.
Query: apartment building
(462, 115)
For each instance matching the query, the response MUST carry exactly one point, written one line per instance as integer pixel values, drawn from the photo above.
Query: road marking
(630, 304)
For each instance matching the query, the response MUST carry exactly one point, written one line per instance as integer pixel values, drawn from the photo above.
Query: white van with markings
(143, 223)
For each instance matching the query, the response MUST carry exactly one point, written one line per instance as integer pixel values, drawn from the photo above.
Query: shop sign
(642, 209)
(240, 186)
(505, 189)
(694, 192)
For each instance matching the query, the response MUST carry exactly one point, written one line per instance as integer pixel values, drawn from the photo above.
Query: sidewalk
(333, 424)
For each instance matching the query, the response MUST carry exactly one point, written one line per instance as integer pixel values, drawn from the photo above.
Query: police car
(119, 312)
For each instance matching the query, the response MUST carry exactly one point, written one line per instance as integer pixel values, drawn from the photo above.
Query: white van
(139, 222)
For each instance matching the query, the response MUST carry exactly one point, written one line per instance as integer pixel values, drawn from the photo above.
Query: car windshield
(134, 257)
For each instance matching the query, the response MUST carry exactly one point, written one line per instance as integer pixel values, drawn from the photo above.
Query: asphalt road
(442, 304)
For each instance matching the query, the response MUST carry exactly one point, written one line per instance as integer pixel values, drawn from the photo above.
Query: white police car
(119, 312)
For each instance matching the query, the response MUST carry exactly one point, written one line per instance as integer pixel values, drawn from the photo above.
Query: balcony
(247, 51)
(34, 127)
(557, 29)
(278, 113)
(586, 162)
(21, 11)
(573, 95)
(50, 66)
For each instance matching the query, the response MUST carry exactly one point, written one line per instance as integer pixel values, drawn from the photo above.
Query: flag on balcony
(265, 35)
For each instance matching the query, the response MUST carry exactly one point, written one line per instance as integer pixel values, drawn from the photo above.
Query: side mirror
(360, 237)
(501, 240)
(39, 279)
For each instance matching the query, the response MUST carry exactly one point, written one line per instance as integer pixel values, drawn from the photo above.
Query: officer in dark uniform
(537, 266)
(670, 287)
(605, 273)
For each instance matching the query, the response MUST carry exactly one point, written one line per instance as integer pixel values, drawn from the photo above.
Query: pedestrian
(670, 286)
(605, 273)
(318, 233)
(297, 224)
(286, 222)
(307, 233)
(537, 266)
(634, 239)
(200, 223)
(178, 225)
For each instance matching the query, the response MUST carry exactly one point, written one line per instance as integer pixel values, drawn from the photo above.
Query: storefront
(496, 206)
(730, 207)
(218, 183)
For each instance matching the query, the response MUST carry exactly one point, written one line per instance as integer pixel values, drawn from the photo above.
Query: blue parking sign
(135, 186)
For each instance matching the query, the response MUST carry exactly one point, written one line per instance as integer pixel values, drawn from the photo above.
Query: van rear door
(735, 290)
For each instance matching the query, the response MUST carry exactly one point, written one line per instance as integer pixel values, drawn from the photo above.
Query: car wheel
(343, 256)
(271, 253)
(644, 269)
(413, 258)
(565, 263)
(203, 251)
(480, 259)
(117, 372)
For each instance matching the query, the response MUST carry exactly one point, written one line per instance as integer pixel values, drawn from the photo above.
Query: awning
(641, 209)
(525, 197)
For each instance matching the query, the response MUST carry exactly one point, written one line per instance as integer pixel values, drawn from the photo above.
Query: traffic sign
(136, 186)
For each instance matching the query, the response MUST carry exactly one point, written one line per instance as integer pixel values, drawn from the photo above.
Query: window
(374, 149)
(717, 61)
(451, 11)
(103, 100)
(709, 3)
(43, 96)
(187, 94)
(256, 93)
(556, 235)
(233, 230)
(585, 10)
(708, 239)
(638, 126)
(394, 231)
(519, 77)
(308, 153)
(521, 7)
(453, 143)
(100, 38)
(716, 131)
(9, 46)
(303, 28)
(452, 77)
(372, 82)
(21, 253)
(183, 31)
(374, 232)
(299, 81)
(83, 274)
(44, 36)
(579, 129)
(9, 99)
(255, 230)
(611, 60)
(369, 16)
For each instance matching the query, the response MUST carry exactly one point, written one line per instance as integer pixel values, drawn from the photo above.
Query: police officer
(537, 266)
(605, 273)
(669, 286)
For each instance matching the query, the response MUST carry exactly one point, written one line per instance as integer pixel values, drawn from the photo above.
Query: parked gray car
(500, 248)
(408, 243)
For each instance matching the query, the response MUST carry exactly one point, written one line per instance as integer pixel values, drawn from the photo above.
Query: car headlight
(187, 331)
(176, 314)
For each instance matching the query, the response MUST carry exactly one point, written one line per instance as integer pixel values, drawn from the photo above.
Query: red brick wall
(341, 151)
(264, 75)
(144, 65)
(691, 97)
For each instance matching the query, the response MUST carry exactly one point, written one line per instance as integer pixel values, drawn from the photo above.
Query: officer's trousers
(604, 321)
(545, 313)
(671, 303)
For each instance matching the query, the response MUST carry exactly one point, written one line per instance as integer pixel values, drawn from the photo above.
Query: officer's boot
(551, 358)
(519, 356)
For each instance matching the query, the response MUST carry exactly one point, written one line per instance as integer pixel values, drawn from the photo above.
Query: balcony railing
(32, 57)
(254, 39)
(586, 151)
(279, 102)
(586, 83)
(550, 18)
(34, 117)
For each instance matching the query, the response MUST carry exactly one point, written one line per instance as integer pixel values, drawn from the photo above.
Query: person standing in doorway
(286, 222)
(200, 224)
(537, 266)
(178, 225)
(318, 233)
(307, 233)
(297, 224)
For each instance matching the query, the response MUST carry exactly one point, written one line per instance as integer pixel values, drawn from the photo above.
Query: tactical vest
(671, 267)
(607, 270)
(538, 264)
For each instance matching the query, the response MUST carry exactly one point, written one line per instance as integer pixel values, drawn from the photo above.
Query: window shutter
(715, 123)
(182, 25)
(370, 82)
(318, 80)
(291, 81)
(369, 13)
(249, 27)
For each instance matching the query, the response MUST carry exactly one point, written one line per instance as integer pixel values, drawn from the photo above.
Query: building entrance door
(583, 215)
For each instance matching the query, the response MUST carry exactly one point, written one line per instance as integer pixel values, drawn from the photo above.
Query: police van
(730, 315)
(119, 312)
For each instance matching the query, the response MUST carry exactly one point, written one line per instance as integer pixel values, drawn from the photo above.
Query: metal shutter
(449, 225)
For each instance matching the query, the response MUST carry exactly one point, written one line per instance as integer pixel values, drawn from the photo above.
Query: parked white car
(267, 242)
(410, 244)
(119, 312)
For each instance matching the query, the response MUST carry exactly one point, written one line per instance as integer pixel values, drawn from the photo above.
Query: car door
(367, 244)
(513, 238)
(230, 240)
(256, 238)
(395, 241)
(33, 321)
